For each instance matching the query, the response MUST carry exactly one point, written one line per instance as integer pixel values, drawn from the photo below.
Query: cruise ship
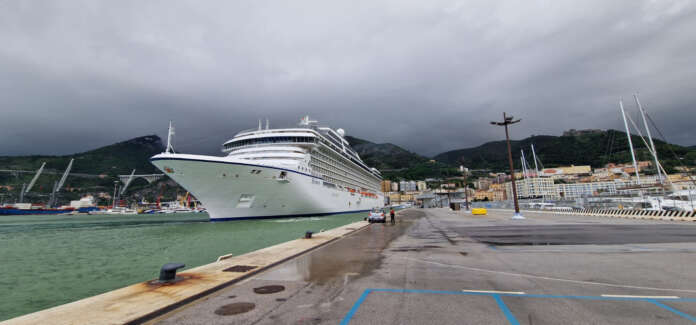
(308, 170)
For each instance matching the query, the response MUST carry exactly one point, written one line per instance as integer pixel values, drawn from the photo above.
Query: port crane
(58, 185)
(26, 189)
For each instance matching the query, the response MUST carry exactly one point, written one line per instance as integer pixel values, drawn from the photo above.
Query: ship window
(270, 140)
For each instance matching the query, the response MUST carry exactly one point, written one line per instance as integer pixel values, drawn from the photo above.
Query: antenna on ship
(170, 134)
(266, 124)
(306, 121)
(260, 125)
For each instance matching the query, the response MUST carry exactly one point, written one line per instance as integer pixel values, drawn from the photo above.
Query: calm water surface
(51, 260)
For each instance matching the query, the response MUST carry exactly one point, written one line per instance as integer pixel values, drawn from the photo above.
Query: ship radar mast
(170, 134)
(305, 121)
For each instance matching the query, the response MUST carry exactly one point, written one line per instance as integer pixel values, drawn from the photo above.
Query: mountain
(118, 158)
(578, 148)
(93, 171)
(396, 163)
(384, 156)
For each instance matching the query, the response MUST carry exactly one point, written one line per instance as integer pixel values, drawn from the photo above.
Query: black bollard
(168, 272)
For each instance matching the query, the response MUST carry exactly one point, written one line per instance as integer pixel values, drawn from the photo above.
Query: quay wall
(144, 301)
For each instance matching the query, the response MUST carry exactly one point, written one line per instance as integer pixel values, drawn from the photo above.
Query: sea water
(49, 260)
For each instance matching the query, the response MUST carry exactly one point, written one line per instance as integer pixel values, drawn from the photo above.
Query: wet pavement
(437, 266)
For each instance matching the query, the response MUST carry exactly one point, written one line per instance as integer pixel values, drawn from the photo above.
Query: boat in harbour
(269, 173)
(27, 208)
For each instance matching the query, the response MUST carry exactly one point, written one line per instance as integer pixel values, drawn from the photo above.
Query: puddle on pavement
(356, 255)
(235, 308)
(268, 289)
(414, 248)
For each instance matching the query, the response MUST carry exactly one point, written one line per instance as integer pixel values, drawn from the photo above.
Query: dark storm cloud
(426, 75)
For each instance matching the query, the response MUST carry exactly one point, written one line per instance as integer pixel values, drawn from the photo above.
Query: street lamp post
(507, 120)
(466, 191)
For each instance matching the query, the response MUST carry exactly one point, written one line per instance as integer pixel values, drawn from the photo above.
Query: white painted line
(532, 276)
(645, 297)
(493, 291)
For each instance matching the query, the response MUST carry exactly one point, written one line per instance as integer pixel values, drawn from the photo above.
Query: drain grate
(235, 308)
(239, 268)
(269, 289)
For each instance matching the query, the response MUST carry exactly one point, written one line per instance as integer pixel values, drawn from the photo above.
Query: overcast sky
(425, 75)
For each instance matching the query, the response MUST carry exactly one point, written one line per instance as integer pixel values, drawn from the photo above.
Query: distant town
(559, 183)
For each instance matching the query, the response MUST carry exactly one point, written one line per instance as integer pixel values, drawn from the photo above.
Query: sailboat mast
(652, 145)
(536, 168)
(630, 142)
(524, 165)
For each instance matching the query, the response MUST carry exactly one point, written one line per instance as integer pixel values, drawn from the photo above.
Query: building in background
(406, 186)
(395, 186)
(422, 186)
(483, 183)
(386, 186)
(537, 187)
(572, 170)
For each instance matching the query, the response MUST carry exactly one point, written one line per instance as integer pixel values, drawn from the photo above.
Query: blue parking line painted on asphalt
(508, 314)
(674, 310)
(511, 318)
(355, 307)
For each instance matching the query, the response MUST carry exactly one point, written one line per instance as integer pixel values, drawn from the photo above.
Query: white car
(376, 215)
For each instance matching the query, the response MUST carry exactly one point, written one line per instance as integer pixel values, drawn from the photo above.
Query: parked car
(376, 215)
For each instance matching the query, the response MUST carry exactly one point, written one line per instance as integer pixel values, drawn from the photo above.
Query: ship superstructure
(301, 171)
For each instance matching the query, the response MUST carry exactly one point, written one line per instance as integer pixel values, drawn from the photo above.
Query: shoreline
(145, 300)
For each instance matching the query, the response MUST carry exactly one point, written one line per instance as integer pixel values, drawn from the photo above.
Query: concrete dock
(437, 266)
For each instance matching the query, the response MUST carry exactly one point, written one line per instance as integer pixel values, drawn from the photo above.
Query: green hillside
(384, 156)
(397, 163)
(93, 171)
(595, 149)
(118, 158)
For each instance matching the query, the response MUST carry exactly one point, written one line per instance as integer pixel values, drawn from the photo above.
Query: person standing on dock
(391, 215)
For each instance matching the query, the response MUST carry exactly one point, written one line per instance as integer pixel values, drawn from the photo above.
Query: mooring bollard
(168, 272)
(308, 235)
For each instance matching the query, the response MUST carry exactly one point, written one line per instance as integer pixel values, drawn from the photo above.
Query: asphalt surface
(437, 266)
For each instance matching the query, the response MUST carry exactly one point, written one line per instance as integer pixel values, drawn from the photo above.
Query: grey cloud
(426, 75)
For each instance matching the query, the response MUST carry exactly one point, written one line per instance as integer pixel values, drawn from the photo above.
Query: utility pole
(466, 189)
(507, 120)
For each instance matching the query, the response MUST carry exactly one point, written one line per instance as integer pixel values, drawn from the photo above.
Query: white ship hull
(232, 188)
